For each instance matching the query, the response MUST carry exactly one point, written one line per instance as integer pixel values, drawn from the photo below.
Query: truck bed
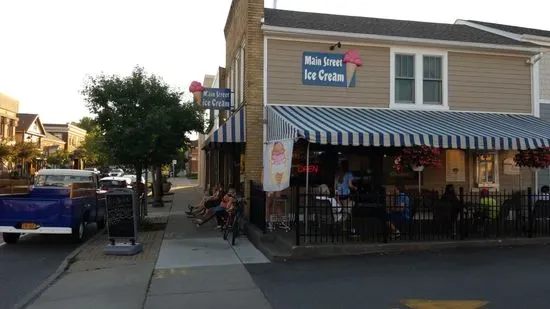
(36, 212)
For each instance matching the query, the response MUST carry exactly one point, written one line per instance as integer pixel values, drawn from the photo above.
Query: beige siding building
(9, 107)
(72, 136)
(470, 92)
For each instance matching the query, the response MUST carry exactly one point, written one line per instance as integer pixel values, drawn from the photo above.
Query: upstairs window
(419, 79)
(404, 79)
(433, 80)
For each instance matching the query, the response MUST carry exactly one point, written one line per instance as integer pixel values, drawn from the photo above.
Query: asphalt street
(25, 265)
(503, 278)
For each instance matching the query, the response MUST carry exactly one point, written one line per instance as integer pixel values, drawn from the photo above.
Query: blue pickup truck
(61, 201)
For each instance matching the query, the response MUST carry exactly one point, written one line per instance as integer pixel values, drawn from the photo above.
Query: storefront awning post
(306, 217)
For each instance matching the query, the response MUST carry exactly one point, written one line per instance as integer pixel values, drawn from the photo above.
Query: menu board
(121, 214)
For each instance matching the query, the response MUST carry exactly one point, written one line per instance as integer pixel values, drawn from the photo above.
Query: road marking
(443, 304)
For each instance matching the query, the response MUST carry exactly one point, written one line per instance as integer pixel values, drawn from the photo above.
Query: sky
(47, 48)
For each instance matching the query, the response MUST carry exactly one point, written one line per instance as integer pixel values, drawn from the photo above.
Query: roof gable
(30, 123)
(513, 29)
(385, 27)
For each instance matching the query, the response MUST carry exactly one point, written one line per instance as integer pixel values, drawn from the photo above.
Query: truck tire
(11, 238)
(78, 232)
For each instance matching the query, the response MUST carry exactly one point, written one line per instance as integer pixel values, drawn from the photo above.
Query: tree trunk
(157, 192)
(142, 211)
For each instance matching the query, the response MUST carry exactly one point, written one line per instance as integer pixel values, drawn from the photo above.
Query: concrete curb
(30, 297)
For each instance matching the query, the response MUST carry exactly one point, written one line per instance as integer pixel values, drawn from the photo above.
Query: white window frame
(494, 185)
(232, 86)
(419, 78)
(242, 78)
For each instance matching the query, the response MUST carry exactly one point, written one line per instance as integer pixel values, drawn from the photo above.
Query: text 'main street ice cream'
(352, 61)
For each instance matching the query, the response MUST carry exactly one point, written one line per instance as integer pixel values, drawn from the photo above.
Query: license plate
(29, 226)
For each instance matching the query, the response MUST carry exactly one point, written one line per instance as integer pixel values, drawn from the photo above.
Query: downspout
(535, 83)
(535, 98)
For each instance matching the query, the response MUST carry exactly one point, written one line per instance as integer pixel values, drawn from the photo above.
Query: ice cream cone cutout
(278, 162)
(196, 89)
(352, 61)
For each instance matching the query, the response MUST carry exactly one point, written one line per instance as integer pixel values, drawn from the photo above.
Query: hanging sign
(277, 165)
(216, 98)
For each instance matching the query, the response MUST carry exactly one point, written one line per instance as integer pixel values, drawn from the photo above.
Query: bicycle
(233, 222)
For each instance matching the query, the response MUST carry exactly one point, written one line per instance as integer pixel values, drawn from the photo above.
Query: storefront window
(487, 171)
(321, 170)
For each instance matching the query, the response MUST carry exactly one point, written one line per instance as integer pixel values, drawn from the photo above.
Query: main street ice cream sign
(326, 69)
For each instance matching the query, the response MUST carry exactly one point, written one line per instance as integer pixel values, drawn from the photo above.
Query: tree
(94, 148)
(6, 153)
(58, 158)
(141, 118)
(26, 151)
(86, 123)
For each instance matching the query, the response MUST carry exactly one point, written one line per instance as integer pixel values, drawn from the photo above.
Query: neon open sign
(304, 168)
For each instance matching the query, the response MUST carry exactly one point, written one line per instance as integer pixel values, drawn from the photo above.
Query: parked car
(61, 201)
(108, 183)
(116, 172)
(133, 178)
(93, 169)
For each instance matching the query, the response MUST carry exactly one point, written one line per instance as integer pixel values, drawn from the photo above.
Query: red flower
(533, 158)
(418, 156)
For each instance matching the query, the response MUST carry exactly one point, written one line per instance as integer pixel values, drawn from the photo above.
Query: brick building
(244, 75)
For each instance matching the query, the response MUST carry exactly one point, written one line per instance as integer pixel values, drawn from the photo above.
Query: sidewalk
(183, 267)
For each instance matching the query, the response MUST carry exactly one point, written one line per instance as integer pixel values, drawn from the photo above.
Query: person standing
(343, 184)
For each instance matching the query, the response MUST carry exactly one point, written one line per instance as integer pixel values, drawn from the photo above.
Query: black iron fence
(257, 205)
(418, 216)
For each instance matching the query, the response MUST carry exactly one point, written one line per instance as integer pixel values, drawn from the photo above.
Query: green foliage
(58, 158)
(6, 151)
(86, 123)
(26, 151)
(93, 149)
(141, 117)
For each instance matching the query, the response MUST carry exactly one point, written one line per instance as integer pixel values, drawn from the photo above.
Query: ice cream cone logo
(196, 89)
(352, 61)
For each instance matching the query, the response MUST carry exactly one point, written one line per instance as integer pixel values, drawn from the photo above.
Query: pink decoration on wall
(352, 56)
(352, 61)
(196, 87)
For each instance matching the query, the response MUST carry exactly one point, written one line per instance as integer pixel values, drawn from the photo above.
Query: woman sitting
(221, 210)
(206, 203)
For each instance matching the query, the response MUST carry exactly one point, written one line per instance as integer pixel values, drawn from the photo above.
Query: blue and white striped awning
(232, 131)
(402, 128)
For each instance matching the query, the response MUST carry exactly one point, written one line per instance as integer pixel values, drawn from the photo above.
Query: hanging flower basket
(533, 158)
(417, 158)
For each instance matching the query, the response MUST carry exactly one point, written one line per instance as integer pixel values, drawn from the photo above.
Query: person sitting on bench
(206, 203)
(220, 210)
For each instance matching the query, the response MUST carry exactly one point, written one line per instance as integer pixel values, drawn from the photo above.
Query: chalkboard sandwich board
(121, 215)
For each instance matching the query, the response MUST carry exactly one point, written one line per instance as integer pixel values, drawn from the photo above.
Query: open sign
(304, 169)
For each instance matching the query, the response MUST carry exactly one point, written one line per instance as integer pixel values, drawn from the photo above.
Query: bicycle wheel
(226, 231)
(235, 230)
